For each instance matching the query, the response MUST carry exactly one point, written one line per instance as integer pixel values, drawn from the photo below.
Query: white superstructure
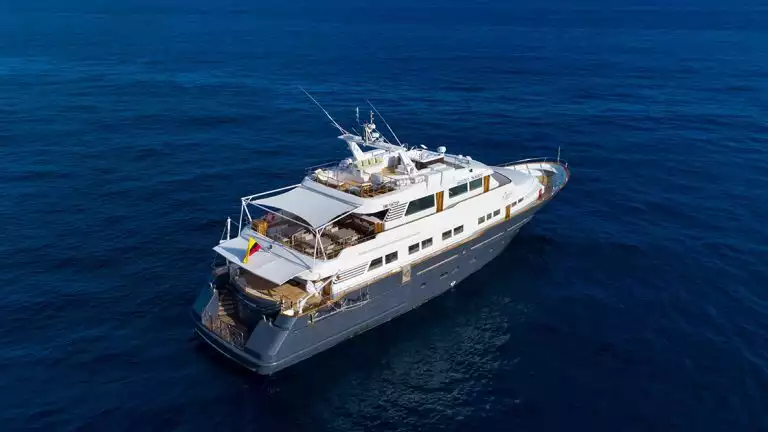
(379, 211)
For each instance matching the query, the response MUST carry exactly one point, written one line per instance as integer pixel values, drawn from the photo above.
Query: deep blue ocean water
(636, 301)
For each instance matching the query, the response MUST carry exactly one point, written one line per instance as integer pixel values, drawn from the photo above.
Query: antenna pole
(326, 112)
(385, 122)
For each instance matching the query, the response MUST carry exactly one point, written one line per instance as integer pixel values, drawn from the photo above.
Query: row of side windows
(465, 187)
(378, 262)
(488, 217)
(428, 201)
(456, 231)
(412, 249)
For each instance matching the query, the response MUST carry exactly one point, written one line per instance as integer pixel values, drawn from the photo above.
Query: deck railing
(562, 162)
(224, 330)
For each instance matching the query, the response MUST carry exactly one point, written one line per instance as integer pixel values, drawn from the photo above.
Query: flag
(252, 248)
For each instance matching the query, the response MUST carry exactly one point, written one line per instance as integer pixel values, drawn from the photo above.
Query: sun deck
(383, 171)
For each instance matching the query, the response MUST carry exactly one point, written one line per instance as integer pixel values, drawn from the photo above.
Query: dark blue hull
(274, 345)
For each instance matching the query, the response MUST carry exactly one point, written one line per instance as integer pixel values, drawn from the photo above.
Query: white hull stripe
(437, 265)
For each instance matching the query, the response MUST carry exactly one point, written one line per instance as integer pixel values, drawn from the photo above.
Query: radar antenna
(385, 122)
(341, 129)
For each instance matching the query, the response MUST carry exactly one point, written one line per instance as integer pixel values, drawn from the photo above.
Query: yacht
(359, 242)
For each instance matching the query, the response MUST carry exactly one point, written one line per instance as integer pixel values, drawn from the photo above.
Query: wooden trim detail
(439, 197)
(486, 184)
(508, 213)
(260, 226)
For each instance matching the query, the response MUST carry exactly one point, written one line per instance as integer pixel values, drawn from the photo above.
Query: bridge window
(376, 263)
(390, 257)
(458, 230)
(476, 184)
(412, 249)
(420, 204)
(426, 243)
(447, 235)
(457, 190)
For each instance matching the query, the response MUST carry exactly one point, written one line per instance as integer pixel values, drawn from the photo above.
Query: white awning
(314, 207)
(266, 264)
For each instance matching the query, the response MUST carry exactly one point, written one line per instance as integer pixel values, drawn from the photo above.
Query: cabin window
(480, 220)
(496, 212)
(420, 204)
(412, 249)
(458, 230)
(520, 200)
(447, 235)
(488, 216)
(476, 184)
(426, 243)
(376, 263)
(457, 190)
(390, 257)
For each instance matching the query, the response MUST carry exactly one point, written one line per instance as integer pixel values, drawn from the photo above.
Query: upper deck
(381, 172)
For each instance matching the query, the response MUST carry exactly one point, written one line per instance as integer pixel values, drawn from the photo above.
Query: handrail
(537, 159)
(224, 330)
(311, 169)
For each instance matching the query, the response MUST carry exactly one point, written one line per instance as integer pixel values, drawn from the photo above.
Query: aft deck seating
(288, 293)
(348, 231)
(344, 235)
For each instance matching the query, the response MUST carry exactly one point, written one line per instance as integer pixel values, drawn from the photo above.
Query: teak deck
(290, 292)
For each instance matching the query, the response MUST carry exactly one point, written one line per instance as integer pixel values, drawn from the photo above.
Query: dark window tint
(496, 212)
(390, 257)
(480, 220)
(457, 190)
(447, 235)
(488, 216)
(375, 264)
(426, 243)
(412, 249)
(476, 184)
(420, 204)
(458, 230)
